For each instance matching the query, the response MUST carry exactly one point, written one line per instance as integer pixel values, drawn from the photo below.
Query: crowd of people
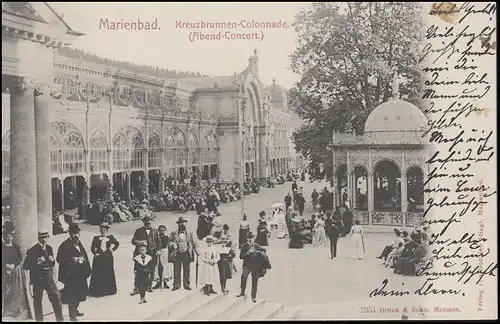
(407, 253)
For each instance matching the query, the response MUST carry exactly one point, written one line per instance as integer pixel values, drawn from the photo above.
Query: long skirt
(225, 269)
(319, 237)
(162, 261)
(15, 302)
(208, 273)
(103, 280)
(358, 242)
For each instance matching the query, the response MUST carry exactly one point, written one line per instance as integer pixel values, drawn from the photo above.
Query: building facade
(114, 129)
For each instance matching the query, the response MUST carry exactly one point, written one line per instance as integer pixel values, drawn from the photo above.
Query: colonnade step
(186, 306)
(231, 308)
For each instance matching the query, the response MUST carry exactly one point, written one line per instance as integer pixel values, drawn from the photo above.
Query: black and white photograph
(248, 161)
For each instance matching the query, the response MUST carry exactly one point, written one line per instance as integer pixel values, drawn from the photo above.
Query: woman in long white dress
(357, 234)
(209, 271)
(319, 235)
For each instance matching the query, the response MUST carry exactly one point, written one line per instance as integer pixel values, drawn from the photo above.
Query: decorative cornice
(32, 37)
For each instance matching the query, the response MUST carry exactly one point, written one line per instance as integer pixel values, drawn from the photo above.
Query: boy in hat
(149, 236)
(40, 263)
(143, 268)
(184, 247)
(209, 258)
(74, 270)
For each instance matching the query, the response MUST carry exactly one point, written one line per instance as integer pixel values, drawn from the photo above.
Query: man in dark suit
(148, 235)
(40, 263)
(347, 218)
(300, 203)
(288, 201)
(294, 186)
(74, 270)
(332, 231)
(184, 247)
(255, 262)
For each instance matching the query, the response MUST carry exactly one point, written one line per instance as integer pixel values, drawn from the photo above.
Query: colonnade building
(99, 128)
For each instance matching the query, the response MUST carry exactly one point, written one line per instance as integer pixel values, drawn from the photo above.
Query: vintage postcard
(242, 161)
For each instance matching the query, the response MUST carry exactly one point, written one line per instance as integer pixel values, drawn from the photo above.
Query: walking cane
(363, 242)
(163, 268)
(196, 271)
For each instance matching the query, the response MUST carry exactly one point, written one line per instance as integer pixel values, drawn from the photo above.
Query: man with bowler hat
(40, 263)
(74, 270)
(184, 247)
(150, 237)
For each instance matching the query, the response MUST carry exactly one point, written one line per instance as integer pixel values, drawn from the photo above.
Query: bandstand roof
(396, 116)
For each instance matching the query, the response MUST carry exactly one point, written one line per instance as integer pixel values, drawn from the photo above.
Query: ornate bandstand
(380, 174)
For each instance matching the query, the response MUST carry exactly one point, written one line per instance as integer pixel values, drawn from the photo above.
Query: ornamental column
(23, 166)
(349, 181)
(370, 197)
(42, 149)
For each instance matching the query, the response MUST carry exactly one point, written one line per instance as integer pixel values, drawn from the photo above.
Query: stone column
(23, 165)
(42, 148)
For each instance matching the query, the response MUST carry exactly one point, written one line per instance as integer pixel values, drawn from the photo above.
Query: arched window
(169, 147)
(6, 157)
(415, 189)
(214, 152)
(98, 145)
(387, 187)
(205, 151)
(120, 153)
(193, 149)
(154, 157)
(55, 155)
(137, 150)
(180, 146)
(73, 153)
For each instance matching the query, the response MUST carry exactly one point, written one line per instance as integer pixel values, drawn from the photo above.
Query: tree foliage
(346, 56)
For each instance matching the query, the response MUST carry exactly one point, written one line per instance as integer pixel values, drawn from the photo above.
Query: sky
(171, 48)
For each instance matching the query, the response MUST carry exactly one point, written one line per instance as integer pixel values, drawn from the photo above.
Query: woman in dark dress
(103, 281)
(262, 233)
(225, 263)
(14, 297)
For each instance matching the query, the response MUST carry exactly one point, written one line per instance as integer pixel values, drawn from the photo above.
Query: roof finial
(395, 86)
(274, 81)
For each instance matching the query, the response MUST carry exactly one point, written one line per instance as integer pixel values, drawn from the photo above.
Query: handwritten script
(458, 56)
(463, 147)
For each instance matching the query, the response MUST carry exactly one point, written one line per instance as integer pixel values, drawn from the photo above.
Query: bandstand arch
(414, 182)
(387, 196)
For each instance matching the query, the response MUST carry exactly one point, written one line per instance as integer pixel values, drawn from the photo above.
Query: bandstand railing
(408, 219)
